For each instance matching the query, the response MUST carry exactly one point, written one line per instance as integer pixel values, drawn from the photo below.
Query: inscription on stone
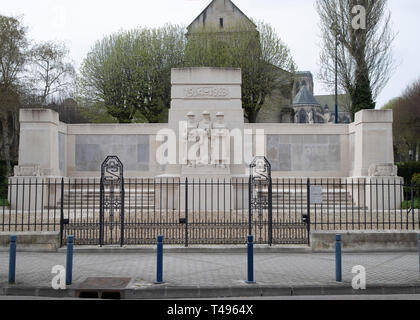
(206, 92)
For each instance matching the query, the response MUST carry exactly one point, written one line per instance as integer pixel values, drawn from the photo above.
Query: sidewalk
(198, 275)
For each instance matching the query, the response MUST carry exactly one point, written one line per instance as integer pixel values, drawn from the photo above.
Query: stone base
(34, 193)
(371, 241)
(31, 241)
(210, 171)
(377, 193)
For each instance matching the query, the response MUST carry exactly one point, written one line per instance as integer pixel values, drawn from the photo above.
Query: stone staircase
(288, 194)
(291, 194)
(84, 195)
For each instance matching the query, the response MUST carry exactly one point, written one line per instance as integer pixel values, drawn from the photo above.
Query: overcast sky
(79, 23)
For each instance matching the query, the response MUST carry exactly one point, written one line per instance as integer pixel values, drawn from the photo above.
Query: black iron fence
(205, 211)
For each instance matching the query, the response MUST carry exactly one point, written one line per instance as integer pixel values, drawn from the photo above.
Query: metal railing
(205, 211)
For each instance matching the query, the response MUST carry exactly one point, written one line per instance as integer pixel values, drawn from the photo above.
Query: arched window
(302, 116)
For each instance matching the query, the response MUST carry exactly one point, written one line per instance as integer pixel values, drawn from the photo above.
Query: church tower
(303, 78)
(219, 15)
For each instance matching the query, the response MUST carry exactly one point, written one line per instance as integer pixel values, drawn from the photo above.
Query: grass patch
(407, 204)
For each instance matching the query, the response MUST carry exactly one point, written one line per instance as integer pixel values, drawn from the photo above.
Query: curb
(191, 249)
(200, 292)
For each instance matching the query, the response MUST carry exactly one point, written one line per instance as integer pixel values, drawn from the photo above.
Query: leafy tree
(129, 73)
(407, 119)
(364, 55)
(265, 61)
(13, 56)
(406, 125)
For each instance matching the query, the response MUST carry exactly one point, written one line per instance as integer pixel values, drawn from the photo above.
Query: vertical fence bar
(101, 212)
(12, 260)
(17, 203)
(186, 212)
(159, 262)
(69, 260)
(61, 212)
(308, 208)
(23, 204)
(270, 211)
(419, 249)
(29, 206)
(250, 206)
(412, 205)
(4, 202)
(338, 268)
(122, 209)
(250, 259)
(48, 204)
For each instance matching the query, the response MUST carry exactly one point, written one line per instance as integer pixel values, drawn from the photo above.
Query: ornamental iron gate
(260, 201)
(135, 211)
(111, 212)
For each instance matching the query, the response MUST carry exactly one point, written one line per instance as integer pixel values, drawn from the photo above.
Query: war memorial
(206, 177)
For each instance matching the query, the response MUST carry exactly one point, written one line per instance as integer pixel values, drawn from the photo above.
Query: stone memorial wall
(294, 150)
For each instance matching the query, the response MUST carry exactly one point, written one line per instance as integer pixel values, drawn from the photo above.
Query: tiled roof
(304, 97)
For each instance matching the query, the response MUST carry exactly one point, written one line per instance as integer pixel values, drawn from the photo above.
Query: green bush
(407, 204)
(415, 181)
(408, 169)
(3, 179)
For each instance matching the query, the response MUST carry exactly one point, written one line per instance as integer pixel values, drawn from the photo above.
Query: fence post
(159, 265)
(122, 211)
(308, 209)
(270, 211)
(12, 260)
(69, 261)
(250, 259)
(419, 251)
(338, 269)
(413, 205)
(101, 211)
(250, 205)
(61, 212)
(186, 212)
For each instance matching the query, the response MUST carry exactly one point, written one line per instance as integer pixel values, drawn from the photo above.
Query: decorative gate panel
(111, 202)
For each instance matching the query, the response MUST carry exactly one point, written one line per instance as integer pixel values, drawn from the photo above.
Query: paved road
(393, 297)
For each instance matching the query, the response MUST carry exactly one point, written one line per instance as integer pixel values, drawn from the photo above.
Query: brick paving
(216, 269)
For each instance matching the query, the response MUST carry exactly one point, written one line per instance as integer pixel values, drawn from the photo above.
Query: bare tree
(364, 54)
(51, 72)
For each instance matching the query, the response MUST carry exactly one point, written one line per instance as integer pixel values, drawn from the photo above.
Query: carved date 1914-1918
(206, 92)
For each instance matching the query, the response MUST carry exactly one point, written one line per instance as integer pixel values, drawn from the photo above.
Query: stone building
(284, 105)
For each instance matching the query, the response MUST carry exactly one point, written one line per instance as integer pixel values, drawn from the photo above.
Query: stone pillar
(214, 90)
(373, 141)
(374, 161)
(29, 188)
(38, 145)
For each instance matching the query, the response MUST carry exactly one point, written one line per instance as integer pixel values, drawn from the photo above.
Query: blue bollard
(69, 261)
(250, 259)
(12, 260)
(159, 265)
(338, 269)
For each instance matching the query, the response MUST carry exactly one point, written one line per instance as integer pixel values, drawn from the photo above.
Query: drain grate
(102, 288)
